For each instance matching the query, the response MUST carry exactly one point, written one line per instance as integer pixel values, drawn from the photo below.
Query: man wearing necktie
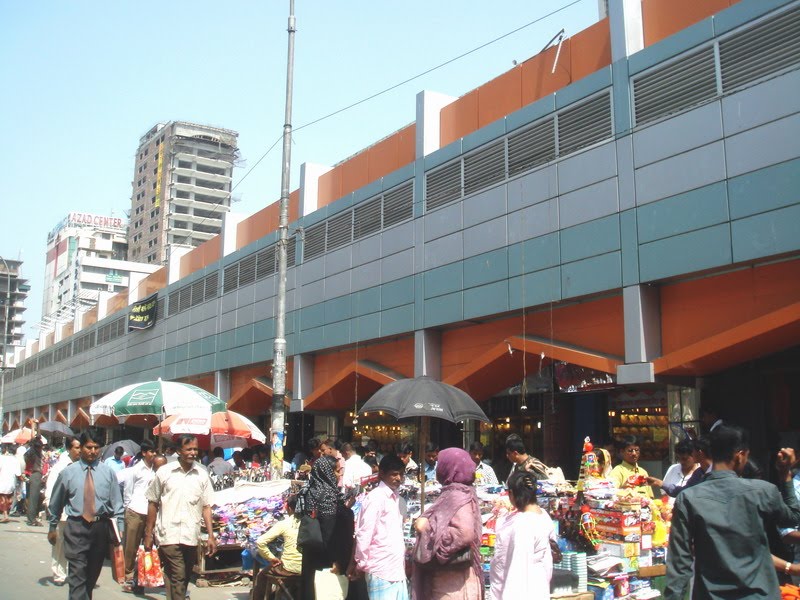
(88, 491)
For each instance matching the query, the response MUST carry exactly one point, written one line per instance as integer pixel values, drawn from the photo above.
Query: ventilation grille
(314, 241)
(247, 270)
(340, 230)
(211, 286)
(46, 360)
(84, 343)
(160, 308)
(532, 147)
(484, 168)
(398, 205)
(265, 263)
(230, 278)
(687, 82)
(763, 50)
(367, 218)
(443, 186)
(584, 125)
(198, 292)
(173, 303)
(62, 353)
(110, 331)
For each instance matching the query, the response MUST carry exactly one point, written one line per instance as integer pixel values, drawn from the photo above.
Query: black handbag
(309, 536)
(462, 559)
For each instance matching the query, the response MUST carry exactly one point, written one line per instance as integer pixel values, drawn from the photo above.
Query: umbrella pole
(160, 438)
(424, 434)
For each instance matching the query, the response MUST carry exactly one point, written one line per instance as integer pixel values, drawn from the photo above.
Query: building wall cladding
(612, 181)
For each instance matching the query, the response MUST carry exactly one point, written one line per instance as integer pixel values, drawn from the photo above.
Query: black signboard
(143, 313)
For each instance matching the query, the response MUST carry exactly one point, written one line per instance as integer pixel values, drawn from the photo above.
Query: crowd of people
(723, 517)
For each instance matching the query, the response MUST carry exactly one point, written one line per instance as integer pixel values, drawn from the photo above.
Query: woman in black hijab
(336, 523)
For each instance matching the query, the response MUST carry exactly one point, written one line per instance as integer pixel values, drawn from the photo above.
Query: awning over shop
(80, 420)
(355, 383)
(503, 365)
(60, 417)
(759, 337)
(255, 397)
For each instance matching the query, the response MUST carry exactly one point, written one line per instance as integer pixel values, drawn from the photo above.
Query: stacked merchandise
(242, 523)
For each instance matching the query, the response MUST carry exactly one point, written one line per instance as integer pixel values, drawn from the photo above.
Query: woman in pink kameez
(523, 562)
(447, 560)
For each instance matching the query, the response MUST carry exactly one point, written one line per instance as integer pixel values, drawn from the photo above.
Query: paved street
(25, 571)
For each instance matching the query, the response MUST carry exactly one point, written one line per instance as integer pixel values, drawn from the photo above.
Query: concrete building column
(102, 305)
(72, 410)
(174, 265)
(222, 385)
(230, 224)
(627, 31)
(642, 315)
(135, 291)
(428, 353)
(309, 187)
(429, 109)
(303, 380)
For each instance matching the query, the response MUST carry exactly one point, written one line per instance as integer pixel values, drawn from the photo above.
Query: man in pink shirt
(380, 550)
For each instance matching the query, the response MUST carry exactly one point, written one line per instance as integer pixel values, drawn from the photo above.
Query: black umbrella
(424, 397)
(131, 448)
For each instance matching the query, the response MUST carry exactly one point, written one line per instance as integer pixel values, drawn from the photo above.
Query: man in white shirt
(58, 561)
(354, 467)
(484, 473)
(135, 482)
(219, 466)
(180, 496)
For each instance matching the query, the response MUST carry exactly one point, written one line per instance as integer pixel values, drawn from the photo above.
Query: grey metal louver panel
(763, 50)
(314, 242)
(443, 186)
(173, 303)
(398, 204)
(184, 298)
(265, 263)
(247, 270)
(160, 314)
(122, 324)
(340, 230)
(198, 292)
(684, 83)
(367, 218)
(532, 147)
(584, 124)
(211, 286)
(230, 278)
(485, 167)
(291, 251)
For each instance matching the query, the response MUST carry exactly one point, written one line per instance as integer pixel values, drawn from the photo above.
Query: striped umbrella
(132, 402)
(223, 429)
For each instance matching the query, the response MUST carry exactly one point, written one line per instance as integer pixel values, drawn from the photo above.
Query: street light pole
(279, 346)
(4, 368)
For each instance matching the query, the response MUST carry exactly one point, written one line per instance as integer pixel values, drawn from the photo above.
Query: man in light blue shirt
(115, 462)
(88, 491)
(431, 458)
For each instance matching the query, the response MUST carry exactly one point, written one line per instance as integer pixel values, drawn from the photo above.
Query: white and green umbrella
(153, 398)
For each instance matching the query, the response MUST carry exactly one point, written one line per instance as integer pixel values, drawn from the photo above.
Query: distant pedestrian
(628, 475)
(406, 453)
(522, 565)
(179, 499)
(135, 482)
(722, 522)
(9, 477)
(518, 456)
(355, 469)
(431, 456)
(219, 466)
(380, 549)
(484, 474)
(89, 493)
(33, 467)
(115, 462)
(58, 560)
(447, 563)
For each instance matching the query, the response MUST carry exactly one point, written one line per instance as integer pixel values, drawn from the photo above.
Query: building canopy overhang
(352, 385)
(255, 397)
(513, 358)
(767, 334)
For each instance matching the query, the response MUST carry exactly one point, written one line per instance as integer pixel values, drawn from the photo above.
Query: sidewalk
(25, 560)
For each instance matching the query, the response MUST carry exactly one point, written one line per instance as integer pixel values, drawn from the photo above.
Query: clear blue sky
(82, 81)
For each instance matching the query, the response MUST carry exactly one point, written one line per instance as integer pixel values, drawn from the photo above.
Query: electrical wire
(381, 93)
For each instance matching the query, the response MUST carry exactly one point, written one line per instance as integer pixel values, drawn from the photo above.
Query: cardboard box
(578, 596)
(654, 571)
(620, 549)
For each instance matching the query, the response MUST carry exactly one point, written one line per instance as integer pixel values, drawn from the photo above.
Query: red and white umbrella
(219, 430)
(19, 436)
